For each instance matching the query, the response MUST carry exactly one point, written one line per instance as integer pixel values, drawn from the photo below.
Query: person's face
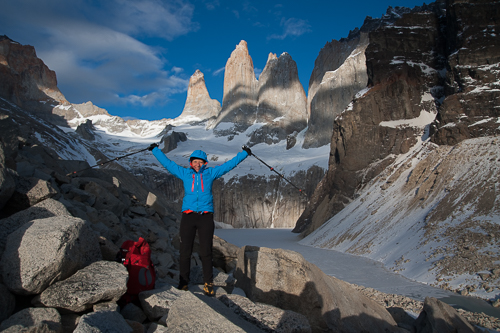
(196, 164)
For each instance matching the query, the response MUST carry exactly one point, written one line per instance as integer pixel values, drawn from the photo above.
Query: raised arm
(170, 165)
(221, 170)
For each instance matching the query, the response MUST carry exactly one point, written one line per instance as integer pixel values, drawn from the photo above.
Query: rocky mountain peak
(281, 101)
(277, 99)
(199, 105)
(240, 89)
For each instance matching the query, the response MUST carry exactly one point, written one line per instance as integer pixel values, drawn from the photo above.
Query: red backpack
(136, 256)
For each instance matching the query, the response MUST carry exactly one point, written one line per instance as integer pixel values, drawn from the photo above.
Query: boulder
(189, 313)
(284, 279)
(30, 191)
(437, 316)
(103, 321)
(33, 320)
(98, 282)
(8, 302)
(43, 209)
(266, 317)
(44, 251)
(224, 254)
(157, 302)
(108, 249)
(154, 202)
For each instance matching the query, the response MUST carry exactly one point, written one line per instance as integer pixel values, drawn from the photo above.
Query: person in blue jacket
(197, 209)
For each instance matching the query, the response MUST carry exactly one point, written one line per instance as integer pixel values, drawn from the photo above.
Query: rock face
(199, 105)
(26, 80)
(258, 202)
(339, 73)
(281, 101)
(470, 108)
(277, 100)
(240, 90)
(284, 279)
(387, 119)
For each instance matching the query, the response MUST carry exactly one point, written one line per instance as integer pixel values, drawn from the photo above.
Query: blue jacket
(198, 185)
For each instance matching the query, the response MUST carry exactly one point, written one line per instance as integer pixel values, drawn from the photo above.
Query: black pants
(204, 224)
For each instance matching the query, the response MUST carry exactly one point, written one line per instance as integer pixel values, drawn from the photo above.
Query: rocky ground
(415, 307)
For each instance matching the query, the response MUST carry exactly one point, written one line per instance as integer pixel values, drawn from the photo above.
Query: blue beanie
(198, 154)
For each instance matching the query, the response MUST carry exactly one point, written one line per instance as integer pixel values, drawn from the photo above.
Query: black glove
(245, 148)
(153, 146)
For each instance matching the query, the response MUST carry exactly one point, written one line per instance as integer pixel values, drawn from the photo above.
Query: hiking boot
(209, 289)
(183, 285)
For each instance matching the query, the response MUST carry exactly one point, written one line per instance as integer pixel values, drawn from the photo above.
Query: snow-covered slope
(219, 148)
(432, 216)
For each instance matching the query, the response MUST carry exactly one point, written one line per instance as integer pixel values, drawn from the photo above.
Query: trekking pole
(279, 174)
(100, 164)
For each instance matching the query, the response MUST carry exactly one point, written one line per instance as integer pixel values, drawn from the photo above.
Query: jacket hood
(198, 154)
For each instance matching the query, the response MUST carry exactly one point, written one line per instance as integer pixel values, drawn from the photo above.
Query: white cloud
(218, 71)
(165, 19)
(177, 70)
(292, 27)
(93, 50)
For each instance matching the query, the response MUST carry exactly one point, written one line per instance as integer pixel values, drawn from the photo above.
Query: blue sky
(134, 58)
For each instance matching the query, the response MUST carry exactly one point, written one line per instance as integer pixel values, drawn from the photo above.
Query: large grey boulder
(102, 321)
(286, 280)
(154, 202)
(157, 302)
(43, 209)
(437, 316)
(45, 251)
(267, 317)
(30, 191)
(197, 315)
(33, 320)
(224, 254)
(98, 282)
(7, 301)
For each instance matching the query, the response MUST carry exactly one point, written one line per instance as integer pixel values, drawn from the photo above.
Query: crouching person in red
(197, 209)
